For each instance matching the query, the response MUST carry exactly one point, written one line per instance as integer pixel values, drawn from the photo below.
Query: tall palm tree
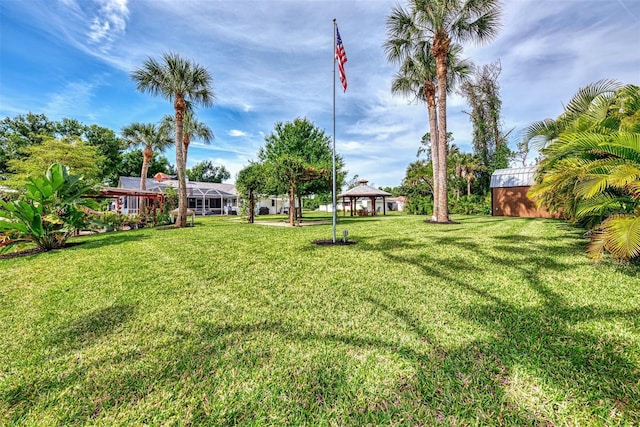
(180, 81)
(443, 23)
(417, 77)
(149, 136)
(192, 129)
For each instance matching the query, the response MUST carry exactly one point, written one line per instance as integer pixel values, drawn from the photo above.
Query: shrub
(421, 205)
(471, 205)
(48, 213)
(114, 221)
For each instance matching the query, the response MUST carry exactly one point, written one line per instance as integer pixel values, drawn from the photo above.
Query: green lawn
(487, 322)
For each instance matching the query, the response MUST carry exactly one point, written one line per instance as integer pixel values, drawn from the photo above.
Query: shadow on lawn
(546, 340)
(82, 332)
(108, 239)
(88, 328)
(232, 365)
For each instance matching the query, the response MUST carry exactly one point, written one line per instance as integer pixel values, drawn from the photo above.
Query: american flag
(341, 56)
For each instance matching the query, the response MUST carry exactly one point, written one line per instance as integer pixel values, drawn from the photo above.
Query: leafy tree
(131, 164)
(110, 149)
(591, 166)
(489, 139)
(250, 181)
(205, 171)
(20, 132)
(23, 131)
(79, 157)
(353, 182)
(48, 213)
(69, 128)
(181, 81)
(418, 187)
(441, 23)
(294, 153)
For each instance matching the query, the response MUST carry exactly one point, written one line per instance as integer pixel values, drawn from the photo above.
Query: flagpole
(334, 132)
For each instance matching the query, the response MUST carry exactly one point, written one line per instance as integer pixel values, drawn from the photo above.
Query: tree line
(30, 143)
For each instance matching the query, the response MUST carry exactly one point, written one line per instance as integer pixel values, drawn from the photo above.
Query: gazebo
(363, 191)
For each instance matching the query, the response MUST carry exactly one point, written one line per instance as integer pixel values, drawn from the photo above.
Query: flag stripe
(341, 57)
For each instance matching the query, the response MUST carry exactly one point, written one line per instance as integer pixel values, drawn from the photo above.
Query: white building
(204, 198)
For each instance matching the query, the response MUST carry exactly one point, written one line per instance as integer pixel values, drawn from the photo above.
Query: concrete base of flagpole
(330, 242)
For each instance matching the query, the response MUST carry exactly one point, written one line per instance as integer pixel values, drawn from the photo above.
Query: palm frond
(582, 101)
(619, 235)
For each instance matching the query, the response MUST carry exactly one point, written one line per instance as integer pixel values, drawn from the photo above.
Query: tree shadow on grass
(88, 328)
(25, 393)
(108, 239)
(552, 340)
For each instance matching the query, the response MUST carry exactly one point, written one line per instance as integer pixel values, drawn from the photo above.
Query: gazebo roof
(364, 190)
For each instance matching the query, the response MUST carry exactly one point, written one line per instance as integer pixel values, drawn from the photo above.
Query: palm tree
(149, 136)
(417, 77)
(443, 23)
(153, 138)
(591, 166)
(192, 129)
(469, 170)
(180, 81)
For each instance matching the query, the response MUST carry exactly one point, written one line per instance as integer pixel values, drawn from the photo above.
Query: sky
(272, 61)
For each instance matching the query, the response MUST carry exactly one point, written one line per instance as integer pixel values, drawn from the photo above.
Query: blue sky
(272, 61)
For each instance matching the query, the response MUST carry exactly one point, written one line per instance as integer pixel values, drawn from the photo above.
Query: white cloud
(109, 23)
(237, 133)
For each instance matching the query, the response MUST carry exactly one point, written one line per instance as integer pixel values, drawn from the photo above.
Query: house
(509, 189)
(272, 205)
(396, 203)
(204, 198)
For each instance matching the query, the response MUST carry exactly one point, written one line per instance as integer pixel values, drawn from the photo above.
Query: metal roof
(513, 177)
(194, 188)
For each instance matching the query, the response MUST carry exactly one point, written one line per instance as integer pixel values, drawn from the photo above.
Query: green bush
(421, 205)
(471, 205)
(48, 213)
(162, 218)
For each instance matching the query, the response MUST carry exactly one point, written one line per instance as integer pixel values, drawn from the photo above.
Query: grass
(491, 321)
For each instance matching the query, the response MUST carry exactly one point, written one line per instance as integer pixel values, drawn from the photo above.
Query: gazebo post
(384, 207)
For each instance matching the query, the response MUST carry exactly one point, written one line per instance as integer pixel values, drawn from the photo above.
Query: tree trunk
(251, 207)
(299, 204)
(185, 144)
(468, 187)
(440, 50)
(180, 106)
(147, 155)
(292, 204)
(430, 95)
